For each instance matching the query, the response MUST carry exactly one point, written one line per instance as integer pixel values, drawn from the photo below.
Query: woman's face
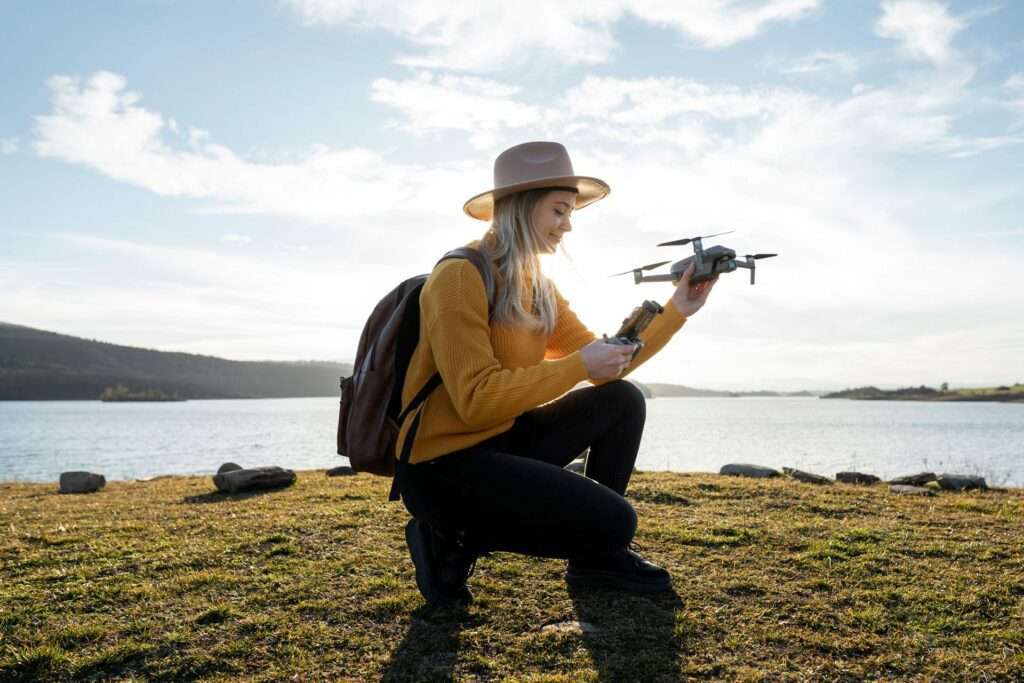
(551, 219)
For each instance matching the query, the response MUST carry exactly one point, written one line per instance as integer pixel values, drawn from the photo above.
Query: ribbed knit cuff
(575, 370)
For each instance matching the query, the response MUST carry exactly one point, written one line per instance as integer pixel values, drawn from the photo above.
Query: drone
(708, 263)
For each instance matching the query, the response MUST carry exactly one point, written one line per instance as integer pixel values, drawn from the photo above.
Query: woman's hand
(606, 361)
(689, 298)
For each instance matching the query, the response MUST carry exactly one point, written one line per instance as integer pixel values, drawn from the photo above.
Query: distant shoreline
(1003, 394)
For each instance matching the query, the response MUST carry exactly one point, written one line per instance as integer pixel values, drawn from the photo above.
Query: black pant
(510, 492)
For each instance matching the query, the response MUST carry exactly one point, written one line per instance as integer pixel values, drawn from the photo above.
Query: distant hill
(1001, 394)
(40, 365)
(676, 390)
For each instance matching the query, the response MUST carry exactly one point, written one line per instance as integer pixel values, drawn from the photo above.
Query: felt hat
(533, 165)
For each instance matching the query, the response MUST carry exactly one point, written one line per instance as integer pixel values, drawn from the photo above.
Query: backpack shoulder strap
(477, 259)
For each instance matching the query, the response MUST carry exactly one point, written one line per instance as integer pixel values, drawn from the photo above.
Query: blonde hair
(509, 244)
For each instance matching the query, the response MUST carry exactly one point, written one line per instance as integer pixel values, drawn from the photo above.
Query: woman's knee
(627, 396)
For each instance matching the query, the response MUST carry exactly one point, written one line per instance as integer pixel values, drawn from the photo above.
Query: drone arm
(749, 263)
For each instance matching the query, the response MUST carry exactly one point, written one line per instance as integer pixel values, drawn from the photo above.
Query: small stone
(340, 471)
(81, 482)
(806, 477)
(857, 478)
(907, 490)
(755, 471)
(961, 482)
(914, 479)
(577, 627)
(255, 478)
(229, 467)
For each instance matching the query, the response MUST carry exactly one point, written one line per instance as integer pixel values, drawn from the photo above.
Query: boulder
(229, 467)
(340, 471)
(906, 490)
(914, 479)
(755, 471)
(857, 478)
(81, 482)
(961, 482)
(806, 477)
(253, 479)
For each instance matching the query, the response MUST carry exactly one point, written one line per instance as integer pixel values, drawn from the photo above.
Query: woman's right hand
(606, 361)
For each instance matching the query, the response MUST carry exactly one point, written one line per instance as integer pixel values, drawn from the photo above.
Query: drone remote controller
(634, 324)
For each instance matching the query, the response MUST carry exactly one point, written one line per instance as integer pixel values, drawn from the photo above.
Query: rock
(577, 627)
(255, 478)
(755, 471)
(914, 479)
(81, 482)
(906, 490)
(229, 467)
(340, 471)
(806, 477)
(961, 482)
(857, 478)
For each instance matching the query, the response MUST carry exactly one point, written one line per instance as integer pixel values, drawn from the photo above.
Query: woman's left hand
(690, 298)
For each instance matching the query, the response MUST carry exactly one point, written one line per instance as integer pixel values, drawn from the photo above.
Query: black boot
(442, 566)
(623, 569)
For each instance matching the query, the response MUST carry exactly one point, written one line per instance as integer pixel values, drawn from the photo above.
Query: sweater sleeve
(571, 335)
(483, 393)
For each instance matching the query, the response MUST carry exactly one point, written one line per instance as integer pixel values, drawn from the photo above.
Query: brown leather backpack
(371, 411)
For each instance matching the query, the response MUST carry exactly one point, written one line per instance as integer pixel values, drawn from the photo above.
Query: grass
(991, 391)
(774, 580)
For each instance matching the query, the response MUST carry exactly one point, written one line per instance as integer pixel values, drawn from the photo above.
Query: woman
(486, 463)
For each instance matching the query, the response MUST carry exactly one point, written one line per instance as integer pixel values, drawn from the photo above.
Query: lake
(41, 439)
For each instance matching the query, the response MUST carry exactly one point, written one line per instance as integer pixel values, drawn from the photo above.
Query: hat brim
(589, 189)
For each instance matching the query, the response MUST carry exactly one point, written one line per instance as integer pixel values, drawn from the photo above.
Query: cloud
(236, 239)
(823, 62)
(1014, 85)
(491, 35)
(195, 300)
(924, 29)
(100, 124)
(8, 145)
(439, 102)
(696, 118)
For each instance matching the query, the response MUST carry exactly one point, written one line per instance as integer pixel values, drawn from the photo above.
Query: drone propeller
(676, 243)
(647, 267)
(757, 256)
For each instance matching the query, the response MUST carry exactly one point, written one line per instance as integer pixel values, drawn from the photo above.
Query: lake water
(41, 439)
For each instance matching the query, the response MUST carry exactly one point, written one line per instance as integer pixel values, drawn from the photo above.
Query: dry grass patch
(774, 580)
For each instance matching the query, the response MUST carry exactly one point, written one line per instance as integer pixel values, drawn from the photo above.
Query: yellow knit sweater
(493, 373)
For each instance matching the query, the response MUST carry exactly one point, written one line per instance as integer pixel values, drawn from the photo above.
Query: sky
(247, 179)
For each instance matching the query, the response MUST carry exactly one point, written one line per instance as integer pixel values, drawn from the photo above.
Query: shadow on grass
(219, 497)
(634, 636)
(429, 650)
